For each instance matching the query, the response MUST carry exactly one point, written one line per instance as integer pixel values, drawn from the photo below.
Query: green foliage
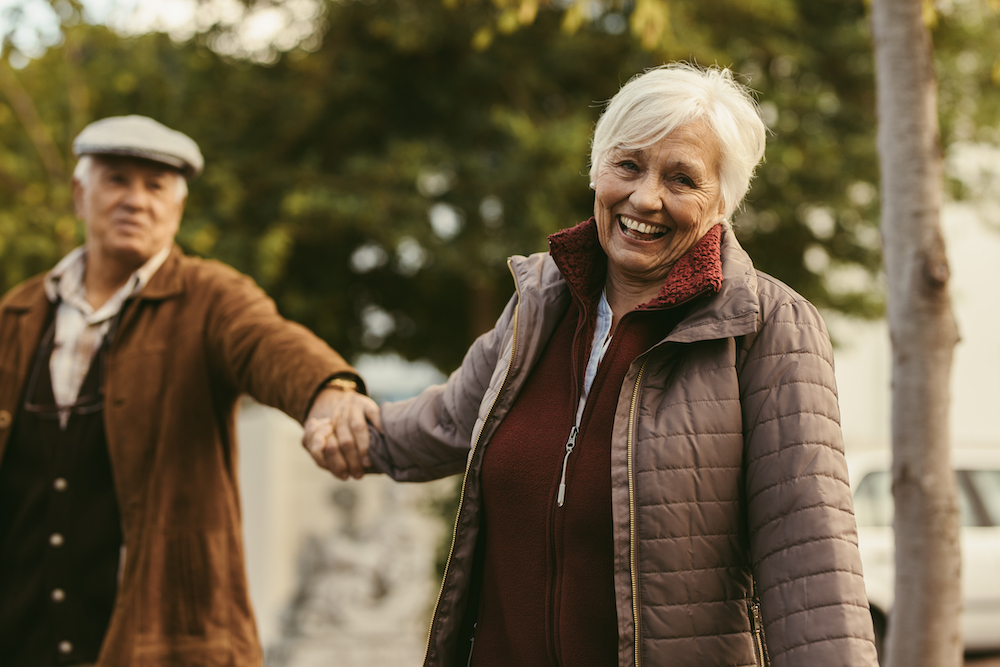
(326, 169)
(349, 147)
(968, 66)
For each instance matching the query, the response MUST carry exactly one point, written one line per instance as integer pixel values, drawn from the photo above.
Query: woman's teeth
(650, 231)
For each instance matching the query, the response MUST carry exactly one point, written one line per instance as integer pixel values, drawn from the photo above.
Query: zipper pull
(472, 644)
(757, 626)
(570, 444)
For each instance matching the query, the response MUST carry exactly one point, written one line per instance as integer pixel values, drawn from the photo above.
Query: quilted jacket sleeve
(429, 436)
(802, 530)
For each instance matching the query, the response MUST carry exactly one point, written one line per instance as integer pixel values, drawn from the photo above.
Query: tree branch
(24, 107)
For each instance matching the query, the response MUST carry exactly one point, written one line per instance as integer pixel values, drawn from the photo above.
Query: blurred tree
(374, 179)
(925, 628)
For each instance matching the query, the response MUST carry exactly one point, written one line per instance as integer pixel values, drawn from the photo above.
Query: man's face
(130, 207)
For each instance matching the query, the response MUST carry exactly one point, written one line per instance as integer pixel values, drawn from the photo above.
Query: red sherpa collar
(578, 253)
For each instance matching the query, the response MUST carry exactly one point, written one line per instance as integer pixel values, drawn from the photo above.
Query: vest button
(56, 539)
(60, 484)
(58, 594)
(65, 647)
(5, 419)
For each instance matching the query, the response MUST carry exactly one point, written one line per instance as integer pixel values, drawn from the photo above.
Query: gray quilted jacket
(728, 477)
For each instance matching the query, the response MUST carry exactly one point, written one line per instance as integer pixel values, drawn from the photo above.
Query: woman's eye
(684, 180)
(628, 165)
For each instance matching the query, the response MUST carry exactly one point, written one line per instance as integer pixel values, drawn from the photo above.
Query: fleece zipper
(570, 446)
(599, 347)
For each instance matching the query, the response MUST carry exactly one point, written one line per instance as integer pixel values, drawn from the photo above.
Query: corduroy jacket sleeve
(279, 362)
(429, 436)
(803, 534)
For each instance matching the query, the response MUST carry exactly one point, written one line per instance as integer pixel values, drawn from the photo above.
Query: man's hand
(337, 431)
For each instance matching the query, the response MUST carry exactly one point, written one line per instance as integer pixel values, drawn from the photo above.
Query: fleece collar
(583, 263)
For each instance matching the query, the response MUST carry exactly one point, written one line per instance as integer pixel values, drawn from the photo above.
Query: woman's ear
(722, 209)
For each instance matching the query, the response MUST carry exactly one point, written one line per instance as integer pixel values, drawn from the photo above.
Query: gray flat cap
(141, 137)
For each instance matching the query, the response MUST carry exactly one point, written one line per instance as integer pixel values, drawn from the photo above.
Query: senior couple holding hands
(649, 437)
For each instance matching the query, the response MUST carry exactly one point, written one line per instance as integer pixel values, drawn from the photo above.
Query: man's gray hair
(81, 174)
(653, 104)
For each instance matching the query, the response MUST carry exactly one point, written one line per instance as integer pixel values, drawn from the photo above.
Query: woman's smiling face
(653, 204)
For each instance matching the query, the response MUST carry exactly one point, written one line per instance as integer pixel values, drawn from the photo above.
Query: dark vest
(60, 533)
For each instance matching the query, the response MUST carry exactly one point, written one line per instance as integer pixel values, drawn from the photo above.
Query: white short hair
(653, 104)
(81, 174)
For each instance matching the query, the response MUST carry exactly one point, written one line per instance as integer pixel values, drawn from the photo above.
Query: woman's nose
(648, 194)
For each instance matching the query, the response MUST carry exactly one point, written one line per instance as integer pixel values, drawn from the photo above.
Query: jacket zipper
(757, 625)
(472, 452)
(472, 644)
(570, 446)
(633, 542)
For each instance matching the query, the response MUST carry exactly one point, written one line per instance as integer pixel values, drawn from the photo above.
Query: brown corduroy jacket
(729, 483)
(199, 335)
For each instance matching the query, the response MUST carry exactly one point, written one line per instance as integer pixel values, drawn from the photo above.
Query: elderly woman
(654, 470)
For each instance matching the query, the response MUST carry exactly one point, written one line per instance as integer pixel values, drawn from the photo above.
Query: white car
(978, 476)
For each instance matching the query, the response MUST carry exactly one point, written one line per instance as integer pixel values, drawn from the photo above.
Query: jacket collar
(582, 261)
(731, 311)
(30, 294)
(167, 281)
(734, 309)
(164, 284)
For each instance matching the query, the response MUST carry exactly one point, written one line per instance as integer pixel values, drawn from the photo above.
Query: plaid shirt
(80, 329)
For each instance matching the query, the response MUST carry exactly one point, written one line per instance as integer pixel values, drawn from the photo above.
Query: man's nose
(136, 195)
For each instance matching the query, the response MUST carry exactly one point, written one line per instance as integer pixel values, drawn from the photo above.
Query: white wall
(863, 355)
(288, 501)
(286, 497)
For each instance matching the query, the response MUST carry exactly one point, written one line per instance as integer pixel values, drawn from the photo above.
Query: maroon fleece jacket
(546, 579)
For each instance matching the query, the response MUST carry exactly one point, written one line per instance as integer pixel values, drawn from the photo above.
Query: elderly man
(120, 370)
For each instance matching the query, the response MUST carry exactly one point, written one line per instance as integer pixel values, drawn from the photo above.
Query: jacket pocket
(184, 599)
(757, 630)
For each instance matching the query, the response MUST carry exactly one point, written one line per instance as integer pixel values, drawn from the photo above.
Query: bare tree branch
(24, 107)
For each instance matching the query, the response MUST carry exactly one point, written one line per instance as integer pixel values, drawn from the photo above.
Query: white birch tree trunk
(924, 629)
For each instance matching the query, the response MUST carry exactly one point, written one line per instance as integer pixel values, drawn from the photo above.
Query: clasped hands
(336, 434)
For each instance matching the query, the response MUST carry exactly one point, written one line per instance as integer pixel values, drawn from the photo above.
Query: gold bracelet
(343, 384)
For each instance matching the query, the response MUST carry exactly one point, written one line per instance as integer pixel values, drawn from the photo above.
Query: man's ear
(78, 192)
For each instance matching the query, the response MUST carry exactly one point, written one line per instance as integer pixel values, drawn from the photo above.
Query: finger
(349, 448)
(334, 460)
(343, 455)
(315, 441)
(311, 426)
